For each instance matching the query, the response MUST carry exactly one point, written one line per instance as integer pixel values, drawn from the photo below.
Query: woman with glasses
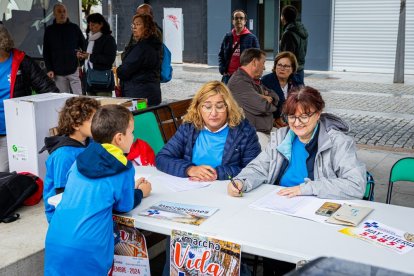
(141, 63)
(312, 156)
(281, 81)
(215, 141)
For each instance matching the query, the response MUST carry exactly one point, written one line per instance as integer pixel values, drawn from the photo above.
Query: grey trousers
(69, 82)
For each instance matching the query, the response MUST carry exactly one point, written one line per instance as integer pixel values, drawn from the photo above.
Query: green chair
(148, 126)
(369, 189)
(402, 170)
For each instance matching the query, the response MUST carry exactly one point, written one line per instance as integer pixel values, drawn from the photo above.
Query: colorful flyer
(131, 254)
(382, 235)
(177, 212)
(192, 254)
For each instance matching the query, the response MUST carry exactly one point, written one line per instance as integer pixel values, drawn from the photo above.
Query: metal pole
(400, 52)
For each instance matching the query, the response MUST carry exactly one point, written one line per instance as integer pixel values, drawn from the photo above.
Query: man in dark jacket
(19, 75)
(61, 41)
(257, 101)
(233, 45)
(294, 39)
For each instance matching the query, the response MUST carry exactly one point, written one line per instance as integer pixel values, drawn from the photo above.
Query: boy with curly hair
(74, 132)
(80, 238)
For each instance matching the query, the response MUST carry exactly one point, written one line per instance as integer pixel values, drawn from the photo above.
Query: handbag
(99, 78)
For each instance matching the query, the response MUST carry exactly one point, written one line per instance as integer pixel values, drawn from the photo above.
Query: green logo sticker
(14, 147)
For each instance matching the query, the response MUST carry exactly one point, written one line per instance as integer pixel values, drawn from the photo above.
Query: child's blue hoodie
(80, 238)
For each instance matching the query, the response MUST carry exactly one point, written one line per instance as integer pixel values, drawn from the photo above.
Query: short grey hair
(58, 4)
(6, 41)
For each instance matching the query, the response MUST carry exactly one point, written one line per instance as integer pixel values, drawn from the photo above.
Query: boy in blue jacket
(74, 132)
(80, 238)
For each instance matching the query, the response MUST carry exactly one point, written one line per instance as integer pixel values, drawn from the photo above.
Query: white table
(272, 235)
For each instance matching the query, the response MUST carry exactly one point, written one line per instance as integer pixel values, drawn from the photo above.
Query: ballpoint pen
(235, 185)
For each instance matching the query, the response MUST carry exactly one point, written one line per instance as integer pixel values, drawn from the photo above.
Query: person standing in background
(100, 53)
(61, 42)
(233, 45)
(141, 63)
(294, 39)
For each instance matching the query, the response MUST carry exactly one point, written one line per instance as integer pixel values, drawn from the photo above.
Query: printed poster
(382, 235)
(177, 212)
(131, 254)
(194, 255)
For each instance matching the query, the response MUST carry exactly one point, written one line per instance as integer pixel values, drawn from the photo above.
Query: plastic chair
(148, 127)
(402, 170)
(369, 190)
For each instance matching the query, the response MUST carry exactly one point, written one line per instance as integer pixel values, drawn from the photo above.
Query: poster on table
(177, 212)
(382, 235)
(131, 254)
(192, 254)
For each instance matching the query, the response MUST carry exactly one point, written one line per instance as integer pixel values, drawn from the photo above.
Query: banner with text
(382, 235)
(192, 254)
(131, 254)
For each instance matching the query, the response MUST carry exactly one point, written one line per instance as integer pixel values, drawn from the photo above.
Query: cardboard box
(131, 104)
(28, 120)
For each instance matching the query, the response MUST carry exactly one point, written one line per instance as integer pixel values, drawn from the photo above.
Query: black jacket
(103, 52)
(27, 76)
(60, 43)
(295, 39)
(52, 143)
(140, 70)
(246, 41)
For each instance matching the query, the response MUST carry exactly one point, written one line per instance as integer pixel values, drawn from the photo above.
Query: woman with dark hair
(100, 53)
(141, 62)
(281, 81)
(312, 156)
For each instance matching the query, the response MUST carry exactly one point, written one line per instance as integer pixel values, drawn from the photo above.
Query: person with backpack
(141, 63)
(74, 132)
(233, 45)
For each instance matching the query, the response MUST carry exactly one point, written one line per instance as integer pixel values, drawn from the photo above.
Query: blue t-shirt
(57, 167)
(209, 147)
(297, 171)
(5, 82)
(80, 238)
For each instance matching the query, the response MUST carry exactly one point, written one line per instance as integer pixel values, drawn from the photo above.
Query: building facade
(344, 35)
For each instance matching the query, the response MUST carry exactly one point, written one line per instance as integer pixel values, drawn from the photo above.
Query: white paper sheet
(299, 206)
(179, 184)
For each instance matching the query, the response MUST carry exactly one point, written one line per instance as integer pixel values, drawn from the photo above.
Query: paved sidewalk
(380, 113)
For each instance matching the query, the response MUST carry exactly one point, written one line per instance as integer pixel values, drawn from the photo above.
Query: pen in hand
(235, 185)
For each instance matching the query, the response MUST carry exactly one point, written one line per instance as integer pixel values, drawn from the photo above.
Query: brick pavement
(380, 113)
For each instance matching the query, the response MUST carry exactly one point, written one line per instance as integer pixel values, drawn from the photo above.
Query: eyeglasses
(304, 118)
(238, 18)
(208, 108)
(283, 66)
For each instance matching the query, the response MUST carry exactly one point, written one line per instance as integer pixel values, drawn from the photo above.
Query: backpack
(14, 190)
(166, 68)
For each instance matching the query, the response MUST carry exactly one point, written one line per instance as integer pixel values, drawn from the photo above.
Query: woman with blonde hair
(215, 141)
